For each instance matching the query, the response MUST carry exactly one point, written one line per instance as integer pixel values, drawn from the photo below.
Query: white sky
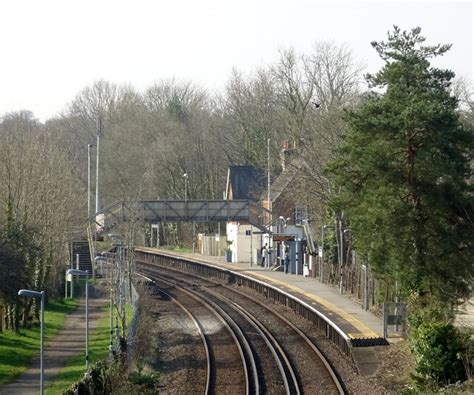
(51, 49)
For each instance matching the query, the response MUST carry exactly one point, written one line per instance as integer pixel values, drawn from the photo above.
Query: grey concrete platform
(339, 308)
(345, 312)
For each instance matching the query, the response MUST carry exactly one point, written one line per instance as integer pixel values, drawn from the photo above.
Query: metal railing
(155, 211)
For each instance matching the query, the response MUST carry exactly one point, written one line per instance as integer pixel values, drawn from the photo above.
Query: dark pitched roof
(247, 182)
(280, 183)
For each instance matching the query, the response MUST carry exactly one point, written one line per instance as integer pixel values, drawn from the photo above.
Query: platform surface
(345, 312)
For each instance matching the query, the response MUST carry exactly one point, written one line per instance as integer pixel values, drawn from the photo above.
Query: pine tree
(402, 174)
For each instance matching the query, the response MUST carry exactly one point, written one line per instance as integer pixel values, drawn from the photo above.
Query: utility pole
(97, 196)
(89, 181)
(270, 237)
(185, 176)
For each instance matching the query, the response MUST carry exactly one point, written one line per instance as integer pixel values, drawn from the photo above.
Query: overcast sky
(51, 49)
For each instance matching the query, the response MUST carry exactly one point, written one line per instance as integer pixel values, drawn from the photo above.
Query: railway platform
(347, 314)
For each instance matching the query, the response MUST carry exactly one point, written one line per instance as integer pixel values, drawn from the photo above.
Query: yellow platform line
(365, 331)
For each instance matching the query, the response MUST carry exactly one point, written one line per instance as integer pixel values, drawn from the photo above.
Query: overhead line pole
(270, 237)
(97, 196)
(89, 180)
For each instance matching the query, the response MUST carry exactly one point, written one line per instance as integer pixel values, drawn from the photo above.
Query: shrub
(438, 348)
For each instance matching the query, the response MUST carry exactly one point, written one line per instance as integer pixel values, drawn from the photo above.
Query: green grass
(98, 350)
(178, 249)
(17, 349)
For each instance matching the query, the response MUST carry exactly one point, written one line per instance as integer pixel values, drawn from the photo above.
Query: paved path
(70, 341)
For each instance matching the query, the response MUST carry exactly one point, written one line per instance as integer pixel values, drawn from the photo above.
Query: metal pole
(343, 232)
(42, 345)
(366, 286)
(194, 236)
(270, 238)
(322, 251)
(341, 253)
(111, 316)
(219, 245)
(97, 196)
(72, 286)
(89, 181)
(87, 320)
(65, 285)
(321, 263)
(251, 245)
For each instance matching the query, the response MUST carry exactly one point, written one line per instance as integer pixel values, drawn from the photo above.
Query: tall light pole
(270, 238)
(27, 293)
(321, 266)
(75, 272)
(342, 259)
(185, 176)
(89, 146)
(97, 196)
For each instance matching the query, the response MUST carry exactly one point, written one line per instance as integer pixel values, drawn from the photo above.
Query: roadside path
(70, 341)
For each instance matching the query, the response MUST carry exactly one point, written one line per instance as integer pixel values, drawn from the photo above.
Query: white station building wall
(243, 244)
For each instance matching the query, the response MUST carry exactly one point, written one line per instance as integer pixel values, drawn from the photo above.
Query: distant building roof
(280, 183)
(244, 182)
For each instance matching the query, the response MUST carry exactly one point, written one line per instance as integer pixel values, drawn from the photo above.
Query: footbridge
(156, 211)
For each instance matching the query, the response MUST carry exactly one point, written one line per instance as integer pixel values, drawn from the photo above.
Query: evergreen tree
(402, 174)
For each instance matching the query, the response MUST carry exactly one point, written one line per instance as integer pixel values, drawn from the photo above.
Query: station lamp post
(27, 293)
(186, 177)
(341, 261)
(89, 146)
(76, 272)
(321, 266)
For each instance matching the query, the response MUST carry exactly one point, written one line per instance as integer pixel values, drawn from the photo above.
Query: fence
(211, 245)
(357, 278)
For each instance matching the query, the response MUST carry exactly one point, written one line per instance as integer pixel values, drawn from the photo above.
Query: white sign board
(100, 222)
(217, 237)
(320, 252)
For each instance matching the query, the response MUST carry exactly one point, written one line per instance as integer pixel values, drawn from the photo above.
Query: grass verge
(98, 350)
(17, 349)
(177, 249)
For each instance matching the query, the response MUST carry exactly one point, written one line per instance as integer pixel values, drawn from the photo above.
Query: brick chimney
(288, 148)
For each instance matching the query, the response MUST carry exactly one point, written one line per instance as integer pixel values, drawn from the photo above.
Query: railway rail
(279, 358)
(223, 350)
(325, 325)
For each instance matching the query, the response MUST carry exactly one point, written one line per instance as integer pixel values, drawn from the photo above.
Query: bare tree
(315, 89)
(463, 90)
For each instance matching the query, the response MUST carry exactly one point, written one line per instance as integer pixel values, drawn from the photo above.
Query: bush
(439, 350)
(142, 383)
(105, 379)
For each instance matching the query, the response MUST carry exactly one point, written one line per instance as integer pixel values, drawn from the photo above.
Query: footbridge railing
(155, 211)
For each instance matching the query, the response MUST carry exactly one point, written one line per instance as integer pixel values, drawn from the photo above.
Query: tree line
(392, 161)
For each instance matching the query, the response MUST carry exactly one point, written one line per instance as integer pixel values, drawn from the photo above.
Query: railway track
(276, 355)
(224, 356)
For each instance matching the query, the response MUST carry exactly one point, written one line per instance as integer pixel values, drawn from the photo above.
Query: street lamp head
(28, 293)
(185, 175)
(347, 230)
(76, 272)
(328, 226)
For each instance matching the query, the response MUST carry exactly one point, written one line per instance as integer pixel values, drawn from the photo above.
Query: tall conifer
(403, 173)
